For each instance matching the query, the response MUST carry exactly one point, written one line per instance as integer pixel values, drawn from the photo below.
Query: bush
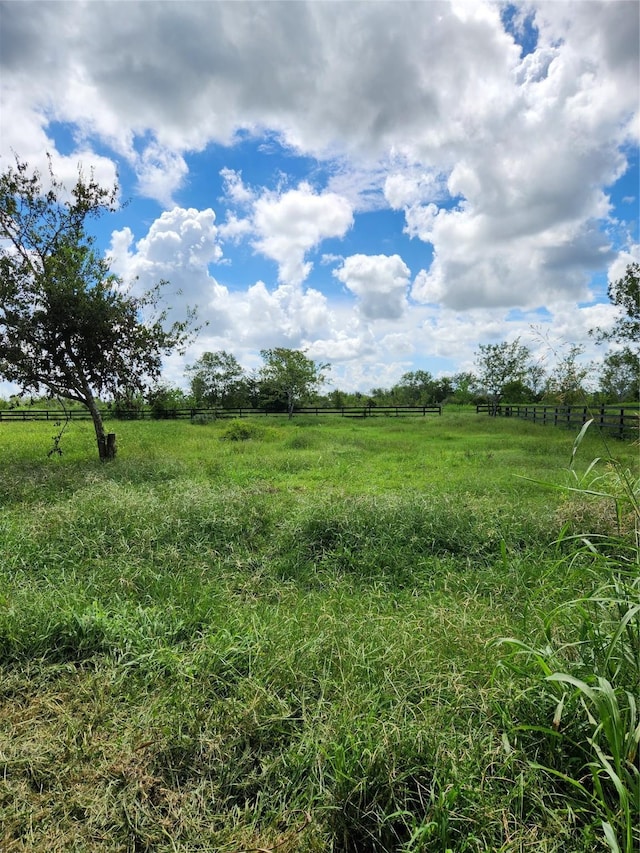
(238, 430)
(203, 420)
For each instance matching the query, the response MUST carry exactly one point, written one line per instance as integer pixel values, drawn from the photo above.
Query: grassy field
(271, 635)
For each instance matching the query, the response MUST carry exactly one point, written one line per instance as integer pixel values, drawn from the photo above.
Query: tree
(415, 388)
(498, 365)
(289, 375)
(380, 397)
(465, 386)
(625, 294)
(336, 398)
(164, 400)
(566, 382)
(442, 389)
(215, 377)
(66, 323)
(536, 378)
(517, 391)
(620, 376)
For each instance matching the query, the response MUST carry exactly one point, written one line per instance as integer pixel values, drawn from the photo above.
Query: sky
(385, 185)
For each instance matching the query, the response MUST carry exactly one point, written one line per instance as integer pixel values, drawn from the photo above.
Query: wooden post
(111, 445)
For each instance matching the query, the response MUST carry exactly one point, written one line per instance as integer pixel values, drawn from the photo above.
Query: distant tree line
(505, 372)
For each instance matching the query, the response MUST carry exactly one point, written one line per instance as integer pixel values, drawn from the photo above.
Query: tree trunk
(106, 443)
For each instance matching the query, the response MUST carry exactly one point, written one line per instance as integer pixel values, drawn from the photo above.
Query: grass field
(272, 635)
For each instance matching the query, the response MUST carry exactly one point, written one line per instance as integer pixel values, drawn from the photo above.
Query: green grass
(283, 637)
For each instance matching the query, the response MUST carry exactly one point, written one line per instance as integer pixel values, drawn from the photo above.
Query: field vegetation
(319, 635)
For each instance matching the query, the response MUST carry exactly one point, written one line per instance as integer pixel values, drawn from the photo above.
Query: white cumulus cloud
(287, 226)
(499, 162)
(379, 281)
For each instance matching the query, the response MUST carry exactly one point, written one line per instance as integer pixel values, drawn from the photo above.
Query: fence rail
(621, 421)
(29, 414)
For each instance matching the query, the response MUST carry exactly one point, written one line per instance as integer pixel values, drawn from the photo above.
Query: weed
(592, 678)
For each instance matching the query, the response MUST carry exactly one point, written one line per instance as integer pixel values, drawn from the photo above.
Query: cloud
(500, 159)
(161, 172)
(362, 81)
(531, 270)
(368, 347)
(288, 226)
(623, 259)
(178, 248)
(235, 189)
(284, 225)
(520, 222)
(380, 283)
(288, 316)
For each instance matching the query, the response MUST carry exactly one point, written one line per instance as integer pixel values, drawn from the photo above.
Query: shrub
(238, 430)
(203, 420)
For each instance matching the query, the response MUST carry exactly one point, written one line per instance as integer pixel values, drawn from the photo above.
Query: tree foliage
(215, 378)
(498, 365)
(67, 324)
(565, 384)
(464, 388)
(620, 377)
(290, 376)
(624, 294)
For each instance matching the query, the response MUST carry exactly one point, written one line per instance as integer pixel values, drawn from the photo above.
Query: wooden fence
(32, 414)
(620, 421)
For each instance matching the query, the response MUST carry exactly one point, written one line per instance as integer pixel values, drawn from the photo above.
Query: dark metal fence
(621, 421)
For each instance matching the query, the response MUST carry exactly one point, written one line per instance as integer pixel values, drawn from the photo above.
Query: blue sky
(386, 185)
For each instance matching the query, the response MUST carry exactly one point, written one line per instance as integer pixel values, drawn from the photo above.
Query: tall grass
(591, 664)
(282, 640)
